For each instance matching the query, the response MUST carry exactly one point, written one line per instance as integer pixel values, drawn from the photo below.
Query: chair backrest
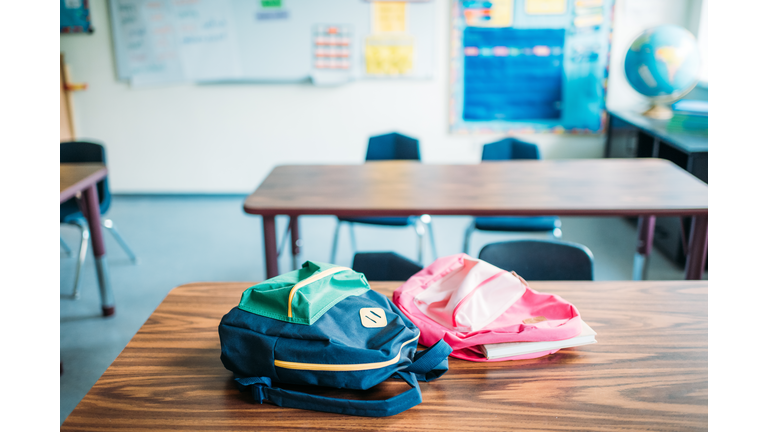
(510, 148)
(393, 146)
(82, 151)
(384, 266)
(541, 259)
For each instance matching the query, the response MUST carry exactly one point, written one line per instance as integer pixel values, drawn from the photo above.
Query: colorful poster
(74, 17)
(388, 17)
(332, 46)
(332, 53)
(593, 20)
(588, 3)
(388, 55)
(488, 13)
(588, 14)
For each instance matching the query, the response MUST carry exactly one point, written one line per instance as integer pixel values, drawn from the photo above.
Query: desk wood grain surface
(74, 177)
(560, 187)
(648, 371)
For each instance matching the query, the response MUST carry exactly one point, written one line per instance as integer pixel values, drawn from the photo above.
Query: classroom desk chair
(508, 149)
(392, 146)
(81, 151)
(537, 260)
(384, 266)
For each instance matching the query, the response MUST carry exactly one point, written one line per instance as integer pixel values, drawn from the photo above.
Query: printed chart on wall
(328, 42)
(522, 66)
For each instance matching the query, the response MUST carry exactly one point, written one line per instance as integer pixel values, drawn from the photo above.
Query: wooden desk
(648, 371)
(79, 179)
(582, 187)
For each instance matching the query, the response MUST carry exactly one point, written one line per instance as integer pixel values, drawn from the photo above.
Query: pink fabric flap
(470, 295)
(468, 302)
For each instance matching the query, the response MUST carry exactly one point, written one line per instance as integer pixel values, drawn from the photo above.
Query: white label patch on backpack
(373, 317)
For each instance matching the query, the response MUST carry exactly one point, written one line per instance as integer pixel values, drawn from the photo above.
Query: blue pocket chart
(529, 65)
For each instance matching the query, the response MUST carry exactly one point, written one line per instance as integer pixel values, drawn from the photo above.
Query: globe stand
(659, 112)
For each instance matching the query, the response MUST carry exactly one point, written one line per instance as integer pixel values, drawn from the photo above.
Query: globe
(663, 64)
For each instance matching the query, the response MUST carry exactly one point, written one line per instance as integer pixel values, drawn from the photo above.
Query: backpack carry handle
(262, 389)
(432, 362)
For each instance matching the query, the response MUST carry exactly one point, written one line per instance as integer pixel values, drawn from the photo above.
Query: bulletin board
(325, 42)
(522, 66)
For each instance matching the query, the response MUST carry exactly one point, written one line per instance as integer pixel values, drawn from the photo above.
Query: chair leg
(110, 226)
(67, 250)
(419, 227)
(432, 240)
(85, 235)
(427, 223)
(557, 233)
(467, 235)
(335, 242)
(352, 239)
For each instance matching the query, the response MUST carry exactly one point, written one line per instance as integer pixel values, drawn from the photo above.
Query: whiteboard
(159, 42)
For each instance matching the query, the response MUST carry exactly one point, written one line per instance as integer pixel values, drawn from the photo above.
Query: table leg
(90, 202)
(697, 247)
(270, 246)
(646, 225)
(295, 241)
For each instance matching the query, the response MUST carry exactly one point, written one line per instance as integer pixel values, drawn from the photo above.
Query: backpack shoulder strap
(261, 388)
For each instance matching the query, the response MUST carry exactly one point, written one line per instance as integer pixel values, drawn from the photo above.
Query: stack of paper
(503, 350)
(689, 116)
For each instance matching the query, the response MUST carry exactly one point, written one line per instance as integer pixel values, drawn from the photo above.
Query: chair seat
(381, 220)
(517, 223)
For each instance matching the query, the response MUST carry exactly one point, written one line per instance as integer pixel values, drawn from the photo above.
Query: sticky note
(588, 3)
(388, 17)
(588, 20)
(545, 7)
(271, 3)
(388, 55)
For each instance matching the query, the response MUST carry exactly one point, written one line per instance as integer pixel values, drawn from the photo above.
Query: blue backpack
(322, 325)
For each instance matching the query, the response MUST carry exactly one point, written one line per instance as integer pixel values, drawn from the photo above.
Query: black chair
(541, 259)
(508, 149)
(393, 146)
(81, 151)
(384, 266)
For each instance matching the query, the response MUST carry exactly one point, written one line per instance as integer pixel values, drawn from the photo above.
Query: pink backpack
(468, 302)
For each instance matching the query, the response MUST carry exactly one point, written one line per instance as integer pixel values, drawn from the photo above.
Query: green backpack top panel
(304, 295)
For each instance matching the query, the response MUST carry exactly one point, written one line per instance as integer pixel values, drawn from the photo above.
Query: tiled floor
(182, 239)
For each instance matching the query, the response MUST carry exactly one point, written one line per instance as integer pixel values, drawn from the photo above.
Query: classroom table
(647, 371)
(79, 180)
(629, 134)
(578, 187)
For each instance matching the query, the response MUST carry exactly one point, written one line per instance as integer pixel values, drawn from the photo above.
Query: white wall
(226, 138)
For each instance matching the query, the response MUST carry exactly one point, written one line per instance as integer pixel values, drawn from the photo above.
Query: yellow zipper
(343, 367)
(308, 281)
